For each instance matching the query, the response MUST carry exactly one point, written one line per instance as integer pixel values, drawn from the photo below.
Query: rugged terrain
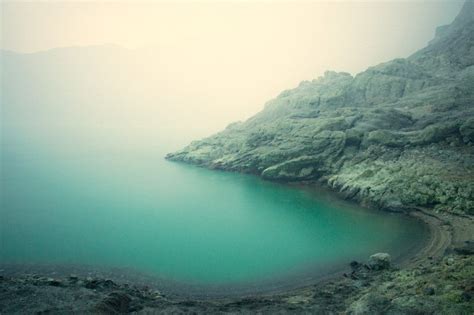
(434, 287)
(398, 135)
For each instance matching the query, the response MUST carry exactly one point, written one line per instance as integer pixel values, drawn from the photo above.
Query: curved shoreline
(447, 231)
(432, 246)
(335, 292)
(298, 279)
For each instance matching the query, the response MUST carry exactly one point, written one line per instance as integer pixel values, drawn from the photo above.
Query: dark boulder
(379, 261)
(466, 249)
(114, 303)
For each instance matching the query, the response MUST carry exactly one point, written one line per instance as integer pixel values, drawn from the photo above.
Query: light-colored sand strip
(446, 232)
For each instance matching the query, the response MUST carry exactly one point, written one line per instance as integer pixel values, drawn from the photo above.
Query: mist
(149, 73)
(237, 156)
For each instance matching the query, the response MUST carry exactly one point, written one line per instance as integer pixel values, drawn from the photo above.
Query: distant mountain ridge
(398, 135)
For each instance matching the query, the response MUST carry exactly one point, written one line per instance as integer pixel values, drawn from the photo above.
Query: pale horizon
(224, 157)
(220, 62)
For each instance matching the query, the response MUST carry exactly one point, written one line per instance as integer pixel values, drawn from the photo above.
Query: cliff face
(398, 135)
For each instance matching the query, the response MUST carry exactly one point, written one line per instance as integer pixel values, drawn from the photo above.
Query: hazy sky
(232, 56)
(309, 27)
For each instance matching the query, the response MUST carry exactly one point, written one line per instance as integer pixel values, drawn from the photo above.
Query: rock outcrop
(398, 135)
(379, 261)
(442, 287)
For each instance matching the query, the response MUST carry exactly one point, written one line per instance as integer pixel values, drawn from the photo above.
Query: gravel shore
(438, 279)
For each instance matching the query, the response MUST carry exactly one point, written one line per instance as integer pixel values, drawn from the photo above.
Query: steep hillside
(396, 136)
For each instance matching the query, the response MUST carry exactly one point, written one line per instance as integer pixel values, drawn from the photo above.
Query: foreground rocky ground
(445, 286)
(439, 279)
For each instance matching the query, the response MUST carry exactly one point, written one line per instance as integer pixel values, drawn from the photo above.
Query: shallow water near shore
(132, 209)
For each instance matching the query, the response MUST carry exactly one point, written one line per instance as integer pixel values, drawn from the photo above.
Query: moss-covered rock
(398, 135)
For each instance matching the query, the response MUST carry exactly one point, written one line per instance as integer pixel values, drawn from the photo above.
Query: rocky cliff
(396, 136)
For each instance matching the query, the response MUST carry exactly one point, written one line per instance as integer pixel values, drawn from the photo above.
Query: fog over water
(93, 95)
(190, 68)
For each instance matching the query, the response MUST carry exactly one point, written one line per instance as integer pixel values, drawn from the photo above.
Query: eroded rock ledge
(396, 136)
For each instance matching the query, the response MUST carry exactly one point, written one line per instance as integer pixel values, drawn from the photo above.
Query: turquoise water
(128, 207)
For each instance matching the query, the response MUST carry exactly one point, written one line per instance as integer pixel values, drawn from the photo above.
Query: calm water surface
(128, 207)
